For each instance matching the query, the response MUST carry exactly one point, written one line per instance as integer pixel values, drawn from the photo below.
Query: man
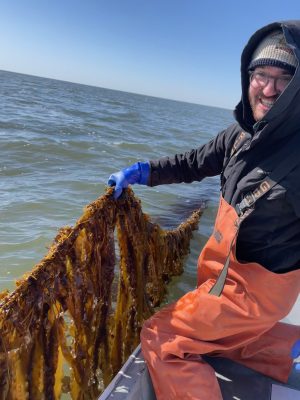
(249, 270)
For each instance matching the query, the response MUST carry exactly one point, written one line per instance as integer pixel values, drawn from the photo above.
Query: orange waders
(241, 323)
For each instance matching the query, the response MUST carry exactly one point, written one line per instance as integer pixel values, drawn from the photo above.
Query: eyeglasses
(259, 79)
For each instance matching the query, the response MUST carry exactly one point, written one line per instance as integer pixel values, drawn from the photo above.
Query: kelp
(75, 318)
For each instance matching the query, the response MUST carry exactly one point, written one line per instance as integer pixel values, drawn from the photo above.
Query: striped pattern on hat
(274, 51)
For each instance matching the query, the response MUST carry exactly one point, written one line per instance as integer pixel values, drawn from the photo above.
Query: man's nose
(270, 88)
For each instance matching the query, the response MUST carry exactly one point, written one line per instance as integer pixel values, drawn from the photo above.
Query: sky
(186, 50)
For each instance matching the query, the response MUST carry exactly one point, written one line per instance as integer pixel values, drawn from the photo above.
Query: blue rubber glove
(136, 173)
(295, 353)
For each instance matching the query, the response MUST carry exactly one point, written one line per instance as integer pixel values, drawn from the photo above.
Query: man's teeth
(267, 103)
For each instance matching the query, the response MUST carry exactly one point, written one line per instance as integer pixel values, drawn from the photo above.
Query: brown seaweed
(64, 329)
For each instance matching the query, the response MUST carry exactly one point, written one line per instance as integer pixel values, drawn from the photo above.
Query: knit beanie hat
(274, 51)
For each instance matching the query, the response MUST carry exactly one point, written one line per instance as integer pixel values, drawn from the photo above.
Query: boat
(236, 382)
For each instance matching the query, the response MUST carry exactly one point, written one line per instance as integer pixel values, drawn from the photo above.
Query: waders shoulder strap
(281, 171)
(237, 145)
(246, 206)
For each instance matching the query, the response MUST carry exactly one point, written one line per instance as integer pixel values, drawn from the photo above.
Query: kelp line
(68, 327)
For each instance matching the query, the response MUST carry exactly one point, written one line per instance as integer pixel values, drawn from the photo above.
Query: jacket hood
(287, 107)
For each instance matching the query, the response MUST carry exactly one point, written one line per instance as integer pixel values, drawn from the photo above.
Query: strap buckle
(247, 202)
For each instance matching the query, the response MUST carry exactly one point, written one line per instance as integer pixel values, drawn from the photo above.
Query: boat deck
(236, 381)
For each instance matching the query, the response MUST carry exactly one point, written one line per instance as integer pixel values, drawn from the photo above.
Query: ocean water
(60, 141)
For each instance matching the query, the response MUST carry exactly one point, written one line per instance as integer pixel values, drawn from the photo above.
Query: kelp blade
(75, 318)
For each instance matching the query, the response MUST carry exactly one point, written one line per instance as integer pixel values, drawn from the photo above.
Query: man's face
(266, 85)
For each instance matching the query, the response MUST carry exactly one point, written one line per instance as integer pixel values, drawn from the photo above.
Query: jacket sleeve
(193, 165)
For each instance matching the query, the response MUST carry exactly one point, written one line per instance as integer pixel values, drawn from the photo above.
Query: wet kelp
(70, 324)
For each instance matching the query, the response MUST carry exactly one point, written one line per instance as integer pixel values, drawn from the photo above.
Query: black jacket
(271, 234)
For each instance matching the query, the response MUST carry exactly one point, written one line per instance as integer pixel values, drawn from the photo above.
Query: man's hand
(136, 173)
(295, 353)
